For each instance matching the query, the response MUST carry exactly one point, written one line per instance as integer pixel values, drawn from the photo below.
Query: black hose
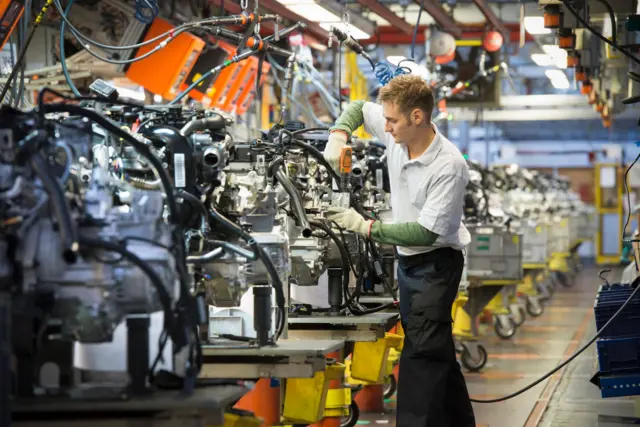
(263, 256)
(317, 129)
(612, 16)
(344, 257)
(156, 281)
(195, 201)
(68, 233)
(315, 153)
(275, 169)
(140, 147)
(209, 123)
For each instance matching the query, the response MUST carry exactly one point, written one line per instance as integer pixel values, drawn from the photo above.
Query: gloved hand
(350, 220)
(337, 141)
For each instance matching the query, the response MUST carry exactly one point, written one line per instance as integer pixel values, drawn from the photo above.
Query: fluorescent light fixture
(558, 79)
(542, 59)
(328, 13)
(535, 25)
(313, 12)
(356, 33)
(558, 55)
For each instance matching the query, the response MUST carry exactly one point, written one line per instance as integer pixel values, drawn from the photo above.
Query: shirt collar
(432, 152)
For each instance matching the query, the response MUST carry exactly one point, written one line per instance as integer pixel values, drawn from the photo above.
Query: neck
(416, 148)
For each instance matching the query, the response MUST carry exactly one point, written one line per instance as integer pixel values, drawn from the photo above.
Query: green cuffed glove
(350, 220)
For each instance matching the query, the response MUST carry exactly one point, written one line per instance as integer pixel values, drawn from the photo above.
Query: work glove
(350, 220)
(337, 141)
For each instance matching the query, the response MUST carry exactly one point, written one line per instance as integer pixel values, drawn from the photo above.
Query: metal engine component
(93, 295)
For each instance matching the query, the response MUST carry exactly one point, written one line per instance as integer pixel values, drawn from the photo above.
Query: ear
(417, 117)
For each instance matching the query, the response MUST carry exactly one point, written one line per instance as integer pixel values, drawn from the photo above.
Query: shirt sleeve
(442, 211)
(374, 120)
(404, 234)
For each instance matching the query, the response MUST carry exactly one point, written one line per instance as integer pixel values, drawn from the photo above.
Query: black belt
(409, 261)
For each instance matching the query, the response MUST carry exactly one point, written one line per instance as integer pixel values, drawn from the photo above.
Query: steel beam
(442, 18)
(547, 114)
(390, 16)
(543, 101)
(492, 18)
(280, 9)
(318, 34)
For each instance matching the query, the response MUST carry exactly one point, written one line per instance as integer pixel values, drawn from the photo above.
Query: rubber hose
(62, 212)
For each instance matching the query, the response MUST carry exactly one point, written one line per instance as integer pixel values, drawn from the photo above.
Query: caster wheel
(534, 307)
(470, 363)
(520, 316)
(505, 331)
(390, 386)
(352, 419)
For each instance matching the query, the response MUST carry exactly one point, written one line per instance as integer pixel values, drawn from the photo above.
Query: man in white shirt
(428, 177)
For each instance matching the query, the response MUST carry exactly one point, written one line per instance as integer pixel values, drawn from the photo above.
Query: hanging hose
(383, 70)
(146, 11)
(63, 58)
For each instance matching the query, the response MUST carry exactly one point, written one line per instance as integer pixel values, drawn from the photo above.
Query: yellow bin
(239, 418)
(305, 398)
(369, 359)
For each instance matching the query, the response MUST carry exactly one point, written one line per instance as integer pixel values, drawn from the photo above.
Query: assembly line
(324, 213)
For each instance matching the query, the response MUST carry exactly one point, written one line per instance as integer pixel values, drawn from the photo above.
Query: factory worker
(428, 177)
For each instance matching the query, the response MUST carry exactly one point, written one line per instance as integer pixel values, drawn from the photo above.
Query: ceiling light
(313, 12)
(535, 25)
(558, 55)
(542, 59)
(356, 33)
(558, 79)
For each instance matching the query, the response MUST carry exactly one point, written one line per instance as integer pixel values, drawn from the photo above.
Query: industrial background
(165, 257)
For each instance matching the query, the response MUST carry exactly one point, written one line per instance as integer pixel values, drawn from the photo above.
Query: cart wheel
(474, 365)
(354, 414)
(520, 317)
(389, 387)
(505, 332)
(534, 307)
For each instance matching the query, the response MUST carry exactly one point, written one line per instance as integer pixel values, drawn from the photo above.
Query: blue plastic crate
(619, 355)
(620, 385)
(608, 301)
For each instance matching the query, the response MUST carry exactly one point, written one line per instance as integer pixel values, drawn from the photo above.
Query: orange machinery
(11, 12)
(233, 88)
(163, 72)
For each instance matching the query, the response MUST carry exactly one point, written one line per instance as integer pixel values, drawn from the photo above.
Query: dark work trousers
(431, 389)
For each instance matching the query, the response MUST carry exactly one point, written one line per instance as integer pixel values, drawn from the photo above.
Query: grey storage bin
(494, 253)
(534, 242)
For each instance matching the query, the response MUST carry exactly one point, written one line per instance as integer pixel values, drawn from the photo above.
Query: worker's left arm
(405, 234)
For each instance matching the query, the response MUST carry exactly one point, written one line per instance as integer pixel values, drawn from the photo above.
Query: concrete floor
(567, 399)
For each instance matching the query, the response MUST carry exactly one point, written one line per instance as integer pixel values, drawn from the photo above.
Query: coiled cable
(146, 11)
(384, 72)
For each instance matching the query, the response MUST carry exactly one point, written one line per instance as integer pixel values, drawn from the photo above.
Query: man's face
(397, 123)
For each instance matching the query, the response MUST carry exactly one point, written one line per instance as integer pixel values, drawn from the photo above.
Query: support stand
(5, 359)
(262, 313)
(335, 290)
(138, 353)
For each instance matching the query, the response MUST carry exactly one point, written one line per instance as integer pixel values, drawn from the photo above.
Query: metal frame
(368, 328)
(600, 211)
(288, 359)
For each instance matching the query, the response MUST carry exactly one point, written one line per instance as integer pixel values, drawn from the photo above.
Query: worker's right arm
(356, 114)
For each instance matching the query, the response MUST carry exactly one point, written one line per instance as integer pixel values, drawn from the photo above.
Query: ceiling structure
(391, 22)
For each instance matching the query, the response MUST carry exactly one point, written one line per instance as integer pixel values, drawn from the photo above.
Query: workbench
(164, 408)
(287, 359)
(367, 328)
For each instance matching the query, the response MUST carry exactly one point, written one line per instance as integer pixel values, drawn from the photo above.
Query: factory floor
(567, 399)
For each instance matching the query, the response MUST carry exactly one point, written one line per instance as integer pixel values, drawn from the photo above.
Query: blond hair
(408, 92)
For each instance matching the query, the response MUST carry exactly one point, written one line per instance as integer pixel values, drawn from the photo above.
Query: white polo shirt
(429, 189)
